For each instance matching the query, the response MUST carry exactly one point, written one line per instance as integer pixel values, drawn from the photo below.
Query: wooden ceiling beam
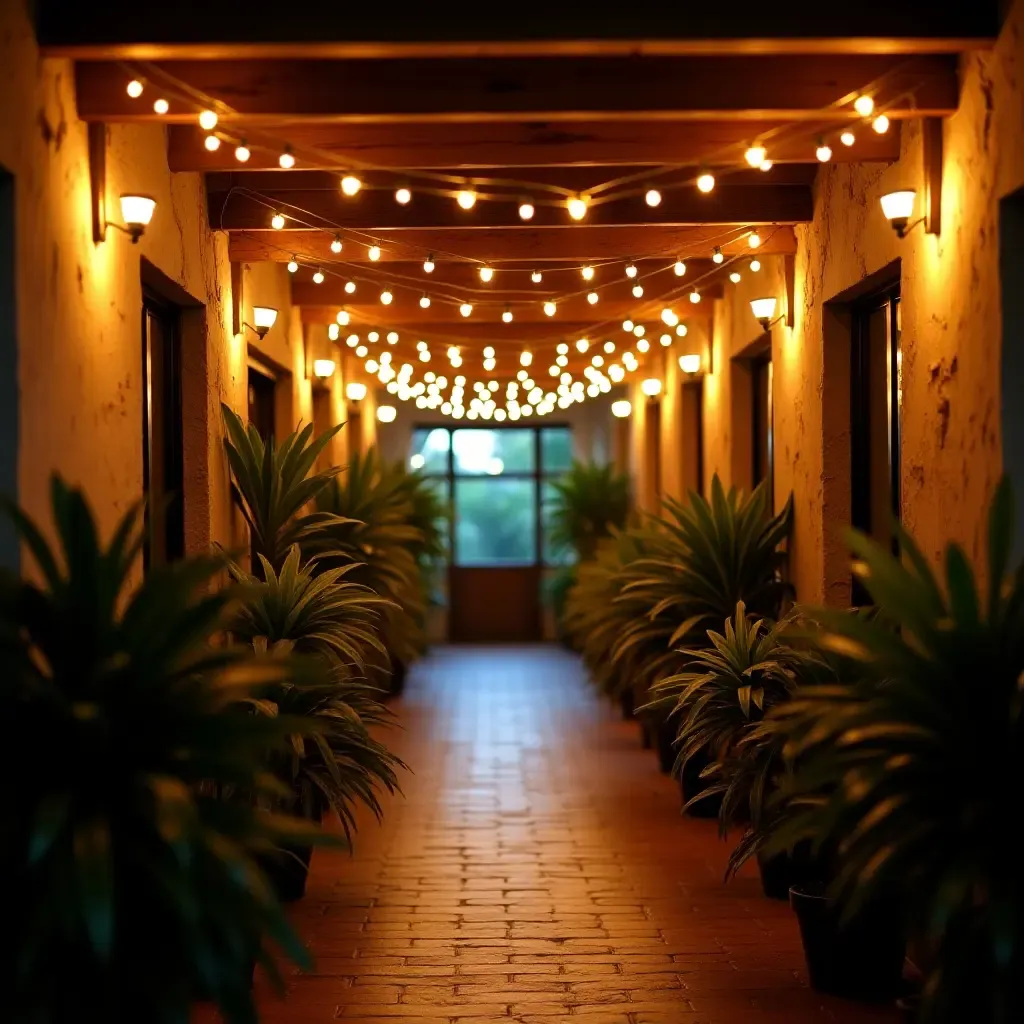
(540, 247)
(507, 145)
(527, 89)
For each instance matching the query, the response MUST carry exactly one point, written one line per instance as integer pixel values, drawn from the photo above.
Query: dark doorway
(693, 435)
(1011, 276)
(261, 402)
(762, 421)
(162, 456)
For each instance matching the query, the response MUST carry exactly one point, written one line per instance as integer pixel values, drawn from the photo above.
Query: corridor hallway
(537, 868)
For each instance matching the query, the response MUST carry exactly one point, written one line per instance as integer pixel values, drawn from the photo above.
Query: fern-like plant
(591, 500)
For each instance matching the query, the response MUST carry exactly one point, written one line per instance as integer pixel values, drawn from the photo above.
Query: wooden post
(931, 146)
(98, 179)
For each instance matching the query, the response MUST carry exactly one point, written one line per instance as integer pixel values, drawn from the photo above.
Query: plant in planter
(132, 886)
(591, 500)
(913, 772)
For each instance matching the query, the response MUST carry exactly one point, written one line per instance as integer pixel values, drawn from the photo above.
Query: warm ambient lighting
(134, 88)
(588, 273)
(880, 124)
(466, 198)
(716, 256)
(706, 181)
(526, 210)
(847, 138)
(286, 159)
(386, 297)
(403, 196)
(428, 264)
(318, 277)
(864, 105)
(525, 358)
(356, 391)
(638, 291)
(486, 274)
(292, 266)
(343, 318)
(621, 408)
(333, 331)
(695, 296)
(898, 208)
(679, 268)
(536, 277)
(665, 340)
(137, 212)
(323, 368)
(212, 143)
(592, 298)
(653, 197)
(417, 461)
(763, 310)
(755, 155)
(689, 364)
(161, 106)
(754, 240)
(350, 287)
(651, 387)
(631, 271)
(336, 245)
(766, 165)
(609, 347)
(755, 265)
(373, 253)
(823, 152)
(386, 413)
(466, 309)
(549, 308)
(507, 315)
(350, 184)
(263, 318)
(681, 330)
(735, 277)
(669, 317)
(207, 120)
(277, 221)
(582, 345)
(424, 302)
(242, 152)
(577, 207)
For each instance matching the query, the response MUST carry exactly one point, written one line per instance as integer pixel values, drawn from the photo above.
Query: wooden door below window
(495, 604)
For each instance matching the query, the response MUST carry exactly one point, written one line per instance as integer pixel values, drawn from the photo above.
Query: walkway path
(537, 870)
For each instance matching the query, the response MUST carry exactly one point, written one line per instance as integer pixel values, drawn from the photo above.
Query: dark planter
(860, 959)
(782, 871)
(627, 703)
(646, 740)
(288, 870)
(692, 784)
(666, 739)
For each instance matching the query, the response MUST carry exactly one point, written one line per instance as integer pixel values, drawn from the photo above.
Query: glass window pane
(555, 449)
(495, 521)
(493, 452)
(551, 554)
(429, 449)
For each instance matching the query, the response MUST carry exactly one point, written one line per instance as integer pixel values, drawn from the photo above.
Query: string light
(627, 325)
(864, 105)
(507, 315)
(486, 274)
(292, 266)
(679, 268)
(823, 152)
(525, 358)
(242, 152)
(588, 273)
(350, 184)
(207, 120)
(766, 165)
(392, 340)
(681, 331)
(466, 198)
(277, 222)
(597, 361)
(666, 340)
(466, 309)
(695, 296)
(526, 210)
(549, 308)
(352, 340)
(847, 138)
(489, 352)
(386, 297)
(428, 264)
(753, 240)
(336, 244)
(638, 291)
(592, 298)
(134, 88)
(373, 253)
(582, 345)
(706, 181)
(362, 352)
(536, 277)
(425, 302)
(286, 159)
(609, 347)
(343, 318)
(333, 330)
(577, 207)
(716, 256)
(402, 195)
(561, 348)
(631, 271)
(642, 344)
(653, 197)
(735, 277)
(755, 265)
(318, 277)
(639, 330)
(880, 124)
(755, 155)
(212, 143)
(161, 106)
(669, 317)
(350, 287)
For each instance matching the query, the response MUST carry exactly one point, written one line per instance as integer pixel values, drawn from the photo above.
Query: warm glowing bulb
(823, 152)
(651, 387)
(549, 308)
(373, 253)
(373, 336)
(207, 120)
(681, 331)
(355, 392)
(386, 297)
(352, 340)
(689, 364)
(428, 264)
(597, 360)
(386, 413)
(577, 207)
(679, 268)
(536, 277)
(621, 408)
(392, 340)
(402, 195)
(336, 244)
(350, 184)
(292, 266)
(609, 347)
(561, 348)
(631, 271)
(242, 153)
(638, 291)
(716, 256)
(592, 298)
(880, 124)
(653, 197)
(639, 331)
(507, 316)
(669, 317)
(526, 210)
(134, 88)
(466, 309)
(277, 222)
(755, 155)
(486, 274)
(263, 318)
(466, 199)
(286, 160)
(161, 106)
(665, 340)
(763, 309)
(350, 287)
(525, 358)
(362, 351)
(766, 165)
(847, 138)
(695, 296)
(318, 277)
(343, 318)
(582, 345)
(735, 277)
(864, 105)
(753, 240)
(323, 368)
(642, 344)
(588, 273)
(755, 266)
(706, 182)
(424, 302)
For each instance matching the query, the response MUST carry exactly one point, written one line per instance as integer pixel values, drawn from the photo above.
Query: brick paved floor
(538, 869)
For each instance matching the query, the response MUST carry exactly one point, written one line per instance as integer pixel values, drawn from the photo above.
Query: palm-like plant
(590, 500)
(914, 773)
(272, 485)
(130, 883)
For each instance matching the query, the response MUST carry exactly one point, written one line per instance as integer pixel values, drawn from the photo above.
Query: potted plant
(590, 500)
(132, 884)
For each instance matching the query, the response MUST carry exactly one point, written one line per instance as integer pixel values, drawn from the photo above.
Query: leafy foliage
(590, 500)
(914, 772)
(130, 883)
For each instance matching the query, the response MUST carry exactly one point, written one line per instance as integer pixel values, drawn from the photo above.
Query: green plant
(590, 500)
(335, 761)
(272, 485)
(130, 883)
(913, 773)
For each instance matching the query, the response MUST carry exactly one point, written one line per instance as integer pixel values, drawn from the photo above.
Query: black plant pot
(782, 871)
(627, 703)
(860, 959)
(692, 784)
(288, 871)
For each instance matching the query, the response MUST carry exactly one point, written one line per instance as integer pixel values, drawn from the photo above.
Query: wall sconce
(621, 408)
(323, 368)
(356, 391)
(136, 212)
(651, 387)
(386, 413)
(689, 364)
(764, 311)
(264, 317)
(898, 208)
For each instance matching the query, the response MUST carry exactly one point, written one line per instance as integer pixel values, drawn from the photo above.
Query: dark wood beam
(525, 89)
(507, 145)
(377, 212)
(578, 244)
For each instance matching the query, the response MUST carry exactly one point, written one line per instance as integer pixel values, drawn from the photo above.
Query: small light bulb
(706, 181)
(588, 273)
(428, 264)
(486, 274)
(631, 271)
(642, 344)
(373, 253)
(466, 309)
(343, 318)
(362, 352)
(592, 298)
(609, 347)
(488, 352)
(386, 297)
(286, 160)
(507, 316)
(161, 106)
(318, 277)
(350, 286)
(681, 331)
(639, 330)
(627, 325)
(466, 199)
(753, 240)
(207, 120)
(549, 308)
(277, 222)
(526, 210)
(402, 195)
(716, 256)
(242, 153)
(424, 302)
(880, 124)
(755, 155)
(638, 291)
(350, 184)
(695, 296)
(292, 266)
(755, 265)
(392, 340)
(536, 277)
(212, 143)
(134, 88)
(577, 207)
(582, 345)
(735, 277)
(847, 138)
(665, 340)
(336, 245)
(864, 105)
(823, 152)
(652, 197)
(679, 268)
(597, 361)
(766, 165)
(373, 336)
(333, 330)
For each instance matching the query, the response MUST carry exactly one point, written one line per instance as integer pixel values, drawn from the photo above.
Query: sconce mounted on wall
(355, 391)
(898, 208)
(136, 209)
(622, 408)
(689, 363)
(764, 312)
(136, 212)
(323, 368)
(651, 387)
(386, 413)
(263, 317)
